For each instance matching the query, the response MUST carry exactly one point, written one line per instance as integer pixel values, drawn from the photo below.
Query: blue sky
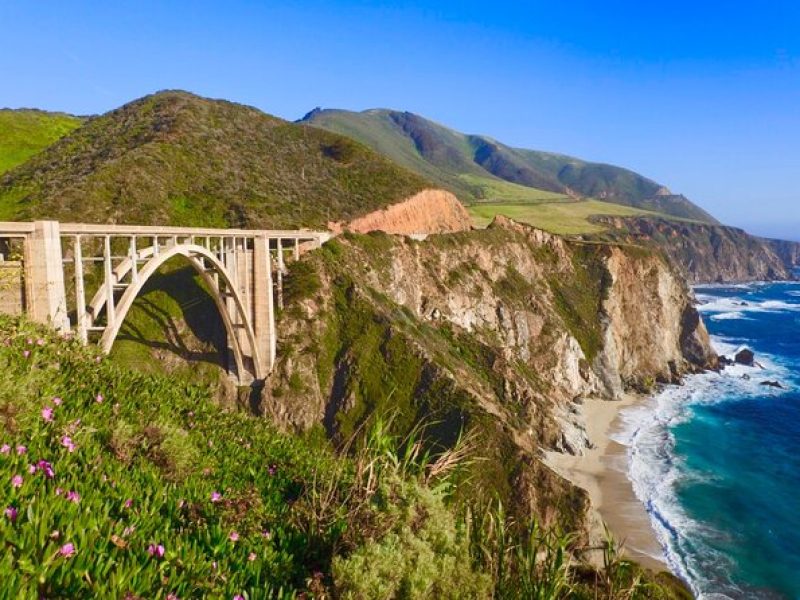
(701, 96)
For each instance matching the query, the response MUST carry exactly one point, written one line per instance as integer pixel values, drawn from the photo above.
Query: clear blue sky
(701, 96)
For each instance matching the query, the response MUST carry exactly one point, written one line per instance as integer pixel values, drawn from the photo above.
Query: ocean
(716, 461)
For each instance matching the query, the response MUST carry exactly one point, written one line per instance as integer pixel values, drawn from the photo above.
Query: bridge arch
(205, 263)
(243, 269)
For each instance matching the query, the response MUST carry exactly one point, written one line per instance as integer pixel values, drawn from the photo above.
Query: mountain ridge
(412, 140)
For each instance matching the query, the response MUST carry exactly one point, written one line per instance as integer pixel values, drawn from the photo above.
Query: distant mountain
(475, 166)
(174, 157)
(25, 132)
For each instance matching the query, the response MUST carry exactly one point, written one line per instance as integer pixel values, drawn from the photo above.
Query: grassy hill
(479, 169)
(25, 132)
(174, 157)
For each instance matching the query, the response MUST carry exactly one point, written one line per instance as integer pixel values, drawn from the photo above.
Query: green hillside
(472, 165)
(24, 132)
(177, 158)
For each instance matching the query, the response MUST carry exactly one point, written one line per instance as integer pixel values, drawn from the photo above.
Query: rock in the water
(745, 356)
(775, 384)
(746, 377)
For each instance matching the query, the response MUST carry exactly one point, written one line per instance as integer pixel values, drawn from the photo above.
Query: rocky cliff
(788, 252)
(499, 333)
(704, 253)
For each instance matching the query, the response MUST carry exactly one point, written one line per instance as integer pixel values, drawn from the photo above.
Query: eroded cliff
(705, 253)
(498, 333)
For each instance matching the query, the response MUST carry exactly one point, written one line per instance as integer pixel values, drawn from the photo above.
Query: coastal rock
(708, 253)
(501, 330)
(774, 384)
(746, 357)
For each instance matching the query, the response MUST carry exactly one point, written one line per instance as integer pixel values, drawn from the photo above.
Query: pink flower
(234, 536)
(59, 491)
(251, 557)
(156, 550)
(47, 414)
(272, 469)
(73, 496)
(66, 441)
(266, 534)
(31, 469)
(128, 503)
(238, 597)
(216, 496)
(99, 398)
(46, 468)
(29, 341)
(67, 550)
(5, 449)
(172, 597)
(16, 481)
(21, 450)
(57, 401)
(11, 513)
(26, 353)
(40, 342)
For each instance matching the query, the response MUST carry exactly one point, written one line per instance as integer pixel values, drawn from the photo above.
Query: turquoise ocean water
(717, 461)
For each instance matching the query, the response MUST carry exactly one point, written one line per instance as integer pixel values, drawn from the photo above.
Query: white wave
(728, 316)
(655, 470)
(715, 304)
(794, 292)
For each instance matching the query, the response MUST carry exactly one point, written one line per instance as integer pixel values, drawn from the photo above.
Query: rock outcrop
(429, 211)
(788, 252)
(705, 253)
(499, 332)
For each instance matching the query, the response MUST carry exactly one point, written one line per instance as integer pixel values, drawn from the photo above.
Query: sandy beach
(601, 471)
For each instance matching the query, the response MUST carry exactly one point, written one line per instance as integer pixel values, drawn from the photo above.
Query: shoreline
(602, 472)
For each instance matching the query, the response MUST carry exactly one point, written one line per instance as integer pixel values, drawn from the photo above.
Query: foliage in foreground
(120, 484)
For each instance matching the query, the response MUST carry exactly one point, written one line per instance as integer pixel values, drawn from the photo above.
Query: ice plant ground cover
(153, 491)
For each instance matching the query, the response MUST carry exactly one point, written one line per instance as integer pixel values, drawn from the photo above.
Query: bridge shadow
(174, 317)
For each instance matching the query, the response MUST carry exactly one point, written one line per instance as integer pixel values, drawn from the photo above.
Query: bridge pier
(46, 298)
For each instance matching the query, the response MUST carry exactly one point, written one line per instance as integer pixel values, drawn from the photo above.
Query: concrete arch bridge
(242, 269)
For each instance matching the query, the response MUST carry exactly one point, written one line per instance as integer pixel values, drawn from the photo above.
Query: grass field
(23, 133)
(499, 191)
(565, 218)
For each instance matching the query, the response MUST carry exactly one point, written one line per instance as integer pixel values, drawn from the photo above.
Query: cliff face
(704, 253)
(788, 252)
(499, 332)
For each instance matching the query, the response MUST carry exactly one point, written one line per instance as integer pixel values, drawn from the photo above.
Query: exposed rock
(429, 211)
(706, 253)
(774, 384)
(745, 357)
(502, 331)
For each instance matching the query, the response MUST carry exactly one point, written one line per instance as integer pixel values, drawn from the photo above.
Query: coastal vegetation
(122, 484)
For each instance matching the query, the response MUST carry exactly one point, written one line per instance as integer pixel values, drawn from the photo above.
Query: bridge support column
(46, 297)
(263, 306)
